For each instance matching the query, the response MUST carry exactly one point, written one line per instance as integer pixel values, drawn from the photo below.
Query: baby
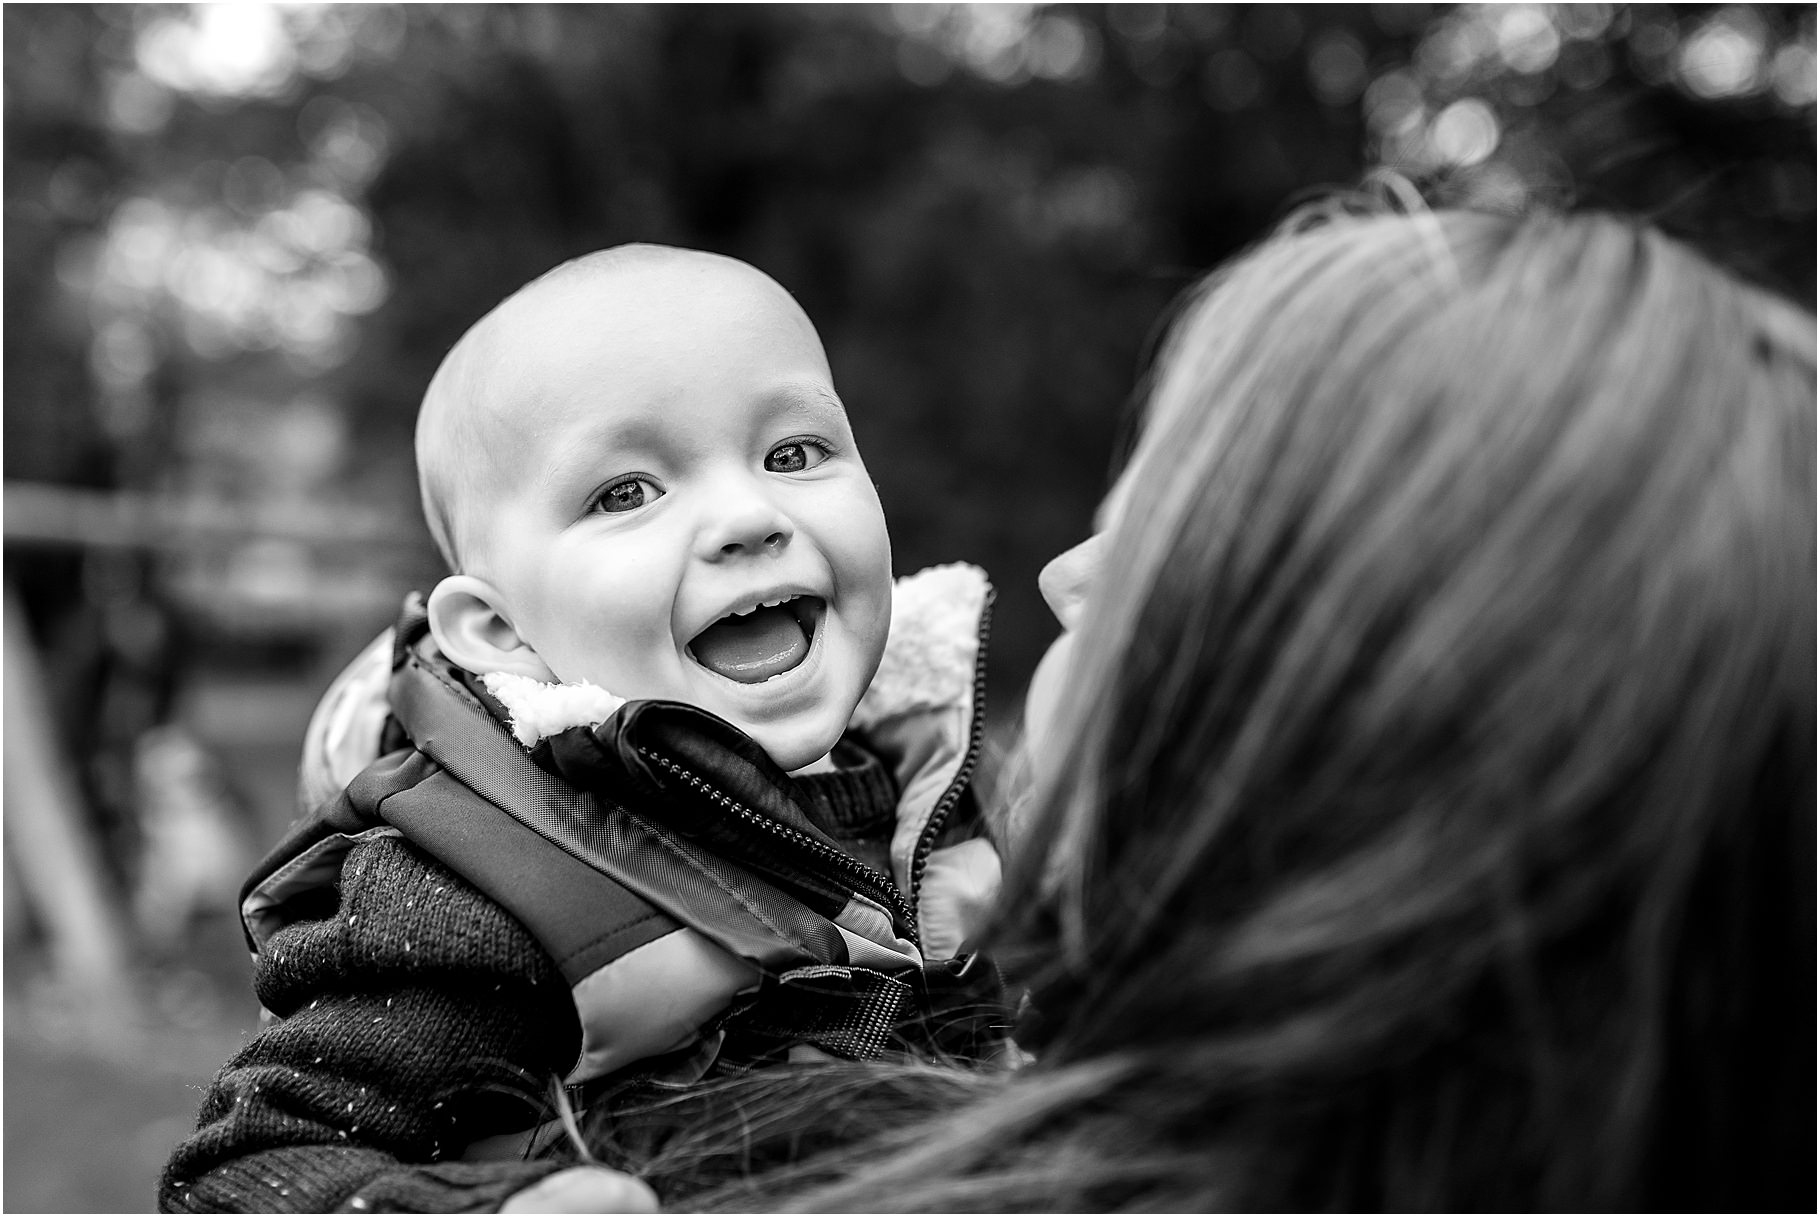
(674, 780)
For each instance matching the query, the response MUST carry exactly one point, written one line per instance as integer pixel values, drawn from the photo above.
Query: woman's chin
(1043, 698)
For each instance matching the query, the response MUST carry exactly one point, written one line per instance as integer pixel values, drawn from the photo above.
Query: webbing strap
(847, 1011)
(739, 911)
(591, 921)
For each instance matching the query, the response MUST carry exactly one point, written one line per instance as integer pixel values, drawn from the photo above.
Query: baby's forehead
(643, 274)
(565, 322)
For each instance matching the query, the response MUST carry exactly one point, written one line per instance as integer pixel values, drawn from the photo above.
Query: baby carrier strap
(448, 722)
(621, 899)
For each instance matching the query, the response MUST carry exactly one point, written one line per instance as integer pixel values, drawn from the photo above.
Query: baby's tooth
(747, 612)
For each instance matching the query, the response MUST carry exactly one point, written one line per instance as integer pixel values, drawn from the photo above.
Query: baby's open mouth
(761, 642)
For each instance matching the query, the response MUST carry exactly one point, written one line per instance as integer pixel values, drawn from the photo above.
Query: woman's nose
(1068, 579)
(744, 522)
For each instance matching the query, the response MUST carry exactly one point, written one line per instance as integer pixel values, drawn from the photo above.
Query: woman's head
(1436, 763)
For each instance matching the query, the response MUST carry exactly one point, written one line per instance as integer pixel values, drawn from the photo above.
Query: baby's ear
(469, 623)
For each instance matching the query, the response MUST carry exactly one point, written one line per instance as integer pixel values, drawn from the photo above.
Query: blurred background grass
(239, 237)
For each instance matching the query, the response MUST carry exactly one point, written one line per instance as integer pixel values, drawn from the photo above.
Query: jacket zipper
(944, 806)
(868, 881)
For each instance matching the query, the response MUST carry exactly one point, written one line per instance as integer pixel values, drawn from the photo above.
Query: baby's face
(681, 510)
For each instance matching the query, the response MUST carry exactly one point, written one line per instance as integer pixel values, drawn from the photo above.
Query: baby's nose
(748, 524)
(772, 540)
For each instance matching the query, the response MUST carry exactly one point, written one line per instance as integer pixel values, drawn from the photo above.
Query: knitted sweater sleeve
(416, 1019)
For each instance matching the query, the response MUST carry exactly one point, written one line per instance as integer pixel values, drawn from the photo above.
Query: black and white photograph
(909, 607)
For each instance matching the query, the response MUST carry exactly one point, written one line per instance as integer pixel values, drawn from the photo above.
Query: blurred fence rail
(38, 513)
(346, 559)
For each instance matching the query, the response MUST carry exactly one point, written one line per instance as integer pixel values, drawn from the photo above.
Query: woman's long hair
(1433, 824)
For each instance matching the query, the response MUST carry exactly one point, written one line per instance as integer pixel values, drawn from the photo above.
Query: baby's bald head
(453, 471)
(476, 402)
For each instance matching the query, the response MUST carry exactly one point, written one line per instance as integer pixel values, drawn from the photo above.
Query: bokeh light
(222, 49)
(1463, 103)
(1465, 133)
(1724, 57)
(1007, 44)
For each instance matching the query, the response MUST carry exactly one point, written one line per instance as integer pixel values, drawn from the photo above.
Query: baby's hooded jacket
(695, 913)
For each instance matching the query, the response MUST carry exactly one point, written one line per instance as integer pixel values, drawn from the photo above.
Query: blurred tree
(63, 175)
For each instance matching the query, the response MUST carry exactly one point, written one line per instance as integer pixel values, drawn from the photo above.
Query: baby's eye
(795, 456)
(628, 494)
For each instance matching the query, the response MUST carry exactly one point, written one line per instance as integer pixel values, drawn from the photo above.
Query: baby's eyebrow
(580, 459)
(812, 400)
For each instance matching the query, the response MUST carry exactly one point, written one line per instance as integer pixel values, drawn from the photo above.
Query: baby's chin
(794, 748)
(805, 728)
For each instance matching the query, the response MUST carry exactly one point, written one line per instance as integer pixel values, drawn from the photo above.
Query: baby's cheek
(622, 640)
(879, 619)
(864, 541)
(863, 584)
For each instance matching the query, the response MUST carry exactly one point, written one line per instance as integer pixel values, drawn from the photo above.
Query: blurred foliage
(239, 237)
